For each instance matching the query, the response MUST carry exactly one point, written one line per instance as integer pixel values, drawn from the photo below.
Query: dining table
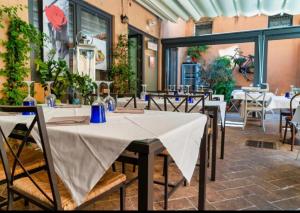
(83, 152)
(216, 108)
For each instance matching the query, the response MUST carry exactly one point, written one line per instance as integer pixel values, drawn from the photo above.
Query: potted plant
(121, 73)
(56, 71)
(220, 77)
(196, 51)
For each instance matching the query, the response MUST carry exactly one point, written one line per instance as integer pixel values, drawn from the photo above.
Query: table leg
(214, 145)
(222, 142)
(202, 172)
(145, 181)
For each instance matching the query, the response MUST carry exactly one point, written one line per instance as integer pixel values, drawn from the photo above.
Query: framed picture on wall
(55, 26)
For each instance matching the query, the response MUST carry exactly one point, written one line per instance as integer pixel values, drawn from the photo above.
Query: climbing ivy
(22, 38)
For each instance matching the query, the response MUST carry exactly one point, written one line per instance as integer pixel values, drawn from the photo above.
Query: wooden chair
(207, 94)
(176, 106)
(288, 120)
(132, 98)
(199, 100)
(44, 188)
(153, 102)
(255, 104)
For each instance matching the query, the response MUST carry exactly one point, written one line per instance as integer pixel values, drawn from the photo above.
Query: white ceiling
(171, 10)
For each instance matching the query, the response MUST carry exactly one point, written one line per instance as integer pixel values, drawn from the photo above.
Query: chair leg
(123, 168)
(208, 150)
(166, 182)
(285, 132)
(10, 197)
(280, 126)
(134, 168)
(26, 202)
(122, 197)
(114, 167)
(293, 137)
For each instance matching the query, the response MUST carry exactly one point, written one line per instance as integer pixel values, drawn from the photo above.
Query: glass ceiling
(171, 10)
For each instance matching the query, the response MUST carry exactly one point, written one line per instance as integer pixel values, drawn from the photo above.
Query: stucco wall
(138, 17)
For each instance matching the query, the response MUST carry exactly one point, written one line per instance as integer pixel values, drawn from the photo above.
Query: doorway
(135, 52)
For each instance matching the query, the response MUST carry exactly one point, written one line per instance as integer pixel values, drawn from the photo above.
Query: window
(84, 18)
(203, 28)
(284, 20)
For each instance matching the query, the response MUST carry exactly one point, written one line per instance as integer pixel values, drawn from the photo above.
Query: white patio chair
(255, 103)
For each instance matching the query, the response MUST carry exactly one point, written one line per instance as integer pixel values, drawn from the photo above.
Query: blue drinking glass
(287, 95)
(29, 101)
(146, 97)
(98, 108)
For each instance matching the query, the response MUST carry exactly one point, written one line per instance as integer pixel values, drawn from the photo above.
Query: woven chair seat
(107, 182)
(30, 158)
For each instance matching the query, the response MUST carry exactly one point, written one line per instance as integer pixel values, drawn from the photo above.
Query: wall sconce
(151, 22)
(124, 19)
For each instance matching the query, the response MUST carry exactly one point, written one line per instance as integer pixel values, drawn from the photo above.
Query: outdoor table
(240, 94)
(83, 153)
(217, 108)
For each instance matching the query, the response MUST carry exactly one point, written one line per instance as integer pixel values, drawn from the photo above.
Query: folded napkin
(67, 106)
(130, 111)
(72, 120)
(8, 113)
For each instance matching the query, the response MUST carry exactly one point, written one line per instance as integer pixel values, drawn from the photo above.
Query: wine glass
(98, 107)
(50, 98)
(188, 93)
(29, 100)
(144, 92)
(109, 101)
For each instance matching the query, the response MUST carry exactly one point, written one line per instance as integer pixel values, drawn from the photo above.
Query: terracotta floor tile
(233, 204)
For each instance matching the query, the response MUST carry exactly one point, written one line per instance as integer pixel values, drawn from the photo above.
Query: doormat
(261, 144)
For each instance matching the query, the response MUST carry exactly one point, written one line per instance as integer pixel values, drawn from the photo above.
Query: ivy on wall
(21, 39)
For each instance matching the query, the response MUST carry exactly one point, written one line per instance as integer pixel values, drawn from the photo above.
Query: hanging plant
(21, 39)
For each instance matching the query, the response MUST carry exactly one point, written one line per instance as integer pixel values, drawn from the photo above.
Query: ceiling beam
(190, 9)
(177, 9)
(145, 5)
(163, 9)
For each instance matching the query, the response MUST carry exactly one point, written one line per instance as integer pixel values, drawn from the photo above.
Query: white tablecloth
(240, 95)
(82, 154)
(141, 104)
(281, 102)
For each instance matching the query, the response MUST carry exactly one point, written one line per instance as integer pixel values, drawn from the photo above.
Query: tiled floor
(247, 179)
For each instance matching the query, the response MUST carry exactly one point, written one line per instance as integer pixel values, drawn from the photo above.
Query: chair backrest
(179, 105)
(152, 98)
(39, 122)
(291, 103)
(207, 94)
(256, 99)
(132, 99)
(198, 103)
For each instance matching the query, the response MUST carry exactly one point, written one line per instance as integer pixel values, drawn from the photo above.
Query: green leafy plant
(220, 77)
(121, 72)
(21, 39)
(84, 85)
(56, 71)
(196, 51)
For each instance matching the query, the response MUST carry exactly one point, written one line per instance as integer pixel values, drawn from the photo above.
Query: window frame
(203, 24)
(78, 6)
(291, 17)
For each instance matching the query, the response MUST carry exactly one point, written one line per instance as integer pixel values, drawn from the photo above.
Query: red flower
(56, 16)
